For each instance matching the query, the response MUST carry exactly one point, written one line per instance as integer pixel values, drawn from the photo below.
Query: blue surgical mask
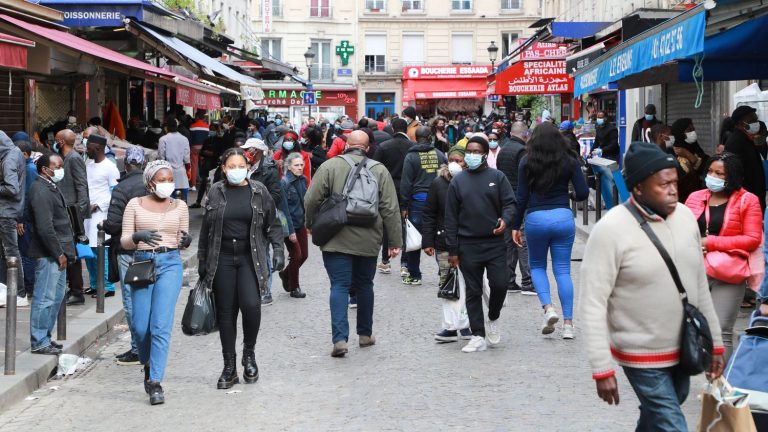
(288, 145)
(600, 121)
(473, 160)
(493, 144)
(56, 147)
(236, 176)
(649, 117)
(714, 184)
(278, 122)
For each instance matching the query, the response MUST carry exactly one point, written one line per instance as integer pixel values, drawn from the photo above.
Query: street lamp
(308, 56)
(493, 50)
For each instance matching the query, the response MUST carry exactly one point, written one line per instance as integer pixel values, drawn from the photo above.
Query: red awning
(68, 42)
(197, 95)
(468, 88)
(13, 51)
(533, 77)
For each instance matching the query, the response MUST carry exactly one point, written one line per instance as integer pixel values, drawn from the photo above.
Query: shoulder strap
(660, 247)
(353, 177)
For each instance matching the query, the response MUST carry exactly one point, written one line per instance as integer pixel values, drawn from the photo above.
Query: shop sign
(462, 94)
(287, 97)
(97, 15)
(344, 50)
(188, 96)
(493, 98)
(545, 50)
(344, 72)
(266, 16)
(535, 77)
(446, 72)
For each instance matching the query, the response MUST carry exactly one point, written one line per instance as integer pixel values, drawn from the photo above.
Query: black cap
(741, 112)
(644, 160)
(97, 139)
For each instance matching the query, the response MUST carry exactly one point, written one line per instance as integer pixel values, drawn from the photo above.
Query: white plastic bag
(3, 294)
(455, 311)
(412, 237)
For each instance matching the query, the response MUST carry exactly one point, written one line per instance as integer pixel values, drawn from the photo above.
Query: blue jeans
(551, 230)
(345, 271)
(661, 392)
(123, 261)
(606, 184)
(153, 309)
(93, 268)
(413, 259)
(50, 285)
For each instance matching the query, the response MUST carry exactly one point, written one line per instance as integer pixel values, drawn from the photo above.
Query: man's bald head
(358, 139)
(519, 129)
(90, 130)
(423, 134)
(66, 137)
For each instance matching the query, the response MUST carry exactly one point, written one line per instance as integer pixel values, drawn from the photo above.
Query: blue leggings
(551, 230)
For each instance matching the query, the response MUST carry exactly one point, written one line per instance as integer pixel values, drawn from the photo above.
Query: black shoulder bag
(696, 344)
(332, 215)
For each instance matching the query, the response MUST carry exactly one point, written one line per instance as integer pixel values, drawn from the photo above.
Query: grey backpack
(363, 193)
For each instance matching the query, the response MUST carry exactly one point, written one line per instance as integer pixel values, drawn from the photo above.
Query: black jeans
(236, 289)
(474, 259)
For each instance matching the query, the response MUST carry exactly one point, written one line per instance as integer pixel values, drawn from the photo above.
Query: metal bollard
(61, 321)
(598, 197)
(10, 315)
(100, 258)
(585, 207)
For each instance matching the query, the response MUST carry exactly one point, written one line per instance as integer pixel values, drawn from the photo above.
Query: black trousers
(474, 260)
(236, 289)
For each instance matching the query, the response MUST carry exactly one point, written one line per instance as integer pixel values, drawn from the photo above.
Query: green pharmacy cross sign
(344, 50)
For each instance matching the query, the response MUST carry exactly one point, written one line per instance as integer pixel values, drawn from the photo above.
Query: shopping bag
(200, 313)
(449, 289)
(84, 251)
(412, 237)
(724, 409)
(746, 368)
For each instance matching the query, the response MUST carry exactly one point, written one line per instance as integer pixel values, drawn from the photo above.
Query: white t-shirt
(102, 177)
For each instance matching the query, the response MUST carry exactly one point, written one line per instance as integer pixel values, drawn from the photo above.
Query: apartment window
(511, 4)
(413, 49)
(413, 5)
(320, 8)
(321, 64)
(509, 41)
(464, 5)
(277, 8)
(375, 53)
(462, 46)
(375, 5)
(272, 48)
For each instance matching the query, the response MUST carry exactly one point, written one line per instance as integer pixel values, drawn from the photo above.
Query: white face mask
(455, 168)
(753, 128)
(670, 142)
(164, 190)
(58, 175)
(72, 120)
(690, 137)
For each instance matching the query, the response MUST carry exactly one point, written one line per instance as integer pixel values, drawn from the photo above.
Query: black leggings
(235, 288)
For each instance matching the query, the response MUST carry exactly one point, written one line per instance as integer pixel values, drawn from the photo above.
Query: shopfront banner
(296, 97)
(666, 42)
(534, 77)
(98, 15)
(198, 99)
(445, 72)
(544, 50)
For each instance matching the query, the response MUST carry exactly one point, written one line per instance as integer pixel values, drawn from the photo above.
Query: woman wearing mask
(240, 220)
(690, 156)
(455, 325)
(289, 143)
(295, 188)
(156, 226)
(730, 222)
(438, 131)
(493, 145)
(543, 198)
(316, 145)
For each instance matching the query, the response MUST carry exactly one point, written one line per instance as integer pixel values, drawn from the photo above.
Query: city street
(405, 382)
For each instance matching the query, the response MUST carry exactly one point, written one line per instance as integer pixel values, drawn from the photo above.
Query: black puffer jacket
(267, 175)
(433, 223)
(508, 159)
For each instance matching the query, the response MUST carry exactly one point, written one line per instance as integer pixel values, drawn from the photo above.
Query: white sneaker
(22, 302)
(550, 319)
(492, 332)
(568, 331)
(477, 343)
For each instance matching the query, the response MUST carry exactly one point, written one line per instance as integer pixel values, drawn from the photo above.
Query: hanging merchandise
(113, 123)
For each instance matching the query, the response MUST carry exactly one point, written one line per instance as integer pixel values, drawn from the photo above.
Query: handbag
(696, 344)
(412, 237)
(332, 216)
(725, 409)
(140, 274)
(730, 266)
(200, 313)
(449, 288)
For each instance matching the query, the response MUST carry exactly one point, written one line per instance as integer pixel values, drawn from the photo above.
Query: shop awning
(678, 38)
(197, 95)
(533, 77)
(444, 89)
(13, 51)
(77, 47)
(575, 30)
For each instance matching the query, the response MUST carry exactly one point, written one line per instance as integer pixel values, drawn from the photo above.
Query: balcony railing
(321, 73)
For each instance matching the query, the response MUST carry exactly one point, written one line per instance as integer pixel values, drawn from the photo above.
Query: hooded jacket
(433, 223)
(392, 154)
(419, 170)
(13, 179)
(508, 159)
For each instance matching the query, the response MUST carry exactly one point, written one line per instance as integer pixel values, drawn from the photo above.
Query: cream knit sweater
(629, 305)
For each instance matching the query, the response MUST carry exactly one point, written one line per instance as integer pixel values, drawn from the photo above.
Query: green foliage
(536, 103)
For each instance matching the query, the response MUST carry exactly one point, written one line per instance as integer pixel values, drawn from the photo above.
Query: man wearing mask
(198, 133)
(174, 148)
(479, 206)
(11, 209)
(661, 135)
(607, 142)
(740, 143)
(74, 187)
(642, 128)
(271, 136)
(634, 290)
(53, 247)
(409, 114)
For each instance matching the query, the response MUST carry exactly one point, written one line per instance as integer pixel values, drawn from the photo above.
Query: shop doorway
(376, 103)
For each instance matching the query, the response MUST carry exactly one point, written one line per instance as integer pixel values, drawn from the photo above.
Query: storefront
(445, 89)
(330, 103)
(13, 61)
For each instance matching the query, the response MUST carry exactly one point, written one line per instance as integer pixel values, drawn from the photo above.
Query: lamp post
(308, 56)
(493, 51)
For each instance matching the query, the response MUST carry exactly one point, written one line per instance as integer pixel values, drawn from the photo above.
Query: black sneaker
(266, 299)
(75, 300)
(49, 350)
(284, 279)
(90, 291)
(194, 205)
(56, 344)
(106, 294)
(129, 359)
(298, 293)
(446, 336)
(530, 291)
(514, 287)
(117, 356)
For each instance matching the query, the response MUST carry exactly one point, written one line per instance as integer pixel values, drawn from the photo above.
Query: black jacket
(637, 129)
(52, 234)
(607, 139)
(267, 175)
(433, 222)
(318, 155)
(13, 168)
(419, 169)
(573, 142)
(508, 159)
(74, 185)
(391, 154)
(754, 178)
(265, 230)
(130, 186)
(380, 136)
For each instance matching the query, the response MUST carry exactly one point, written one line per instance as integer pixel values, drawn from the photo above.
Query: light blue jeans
(123, 261)
(551, 231)
(153, 310)
(606, 184)
(50, 285)
(661, 392)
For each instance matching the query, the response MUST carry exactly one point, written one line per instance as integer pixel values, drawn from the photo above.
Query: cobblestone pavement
(406, 382)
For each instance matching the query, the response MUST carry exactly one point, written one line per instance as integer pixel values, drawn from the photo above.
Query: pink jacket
(742, 224)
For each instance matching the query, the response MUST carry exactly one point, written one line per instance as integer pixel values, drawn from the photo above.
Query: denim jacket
(295, 188)
(265, 229)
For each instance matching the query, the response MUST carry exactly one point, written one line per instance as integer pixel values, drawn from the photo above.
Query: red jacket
(307, 164)
(742, 224)
(338, 145)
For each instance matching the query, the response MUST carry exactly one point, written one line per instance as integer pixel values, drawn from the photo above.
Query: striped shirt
(169, 224)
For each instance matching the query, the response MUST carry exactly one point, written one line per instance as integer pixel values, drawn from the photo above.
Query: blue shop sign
(345, 72)
(98, 15)
(670, 42)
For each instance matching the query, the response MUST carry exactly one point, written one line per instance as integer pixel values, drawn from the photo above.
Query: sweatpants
(474, 260)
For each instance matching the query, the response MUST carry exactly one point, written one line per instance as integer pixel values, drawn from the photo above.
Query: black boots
(228, 376)
(250, 370)
(156, 395)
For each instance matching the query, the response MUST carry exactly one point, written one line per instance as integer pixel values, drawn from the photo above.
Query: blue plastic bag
(746, 367)
(84, 251)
